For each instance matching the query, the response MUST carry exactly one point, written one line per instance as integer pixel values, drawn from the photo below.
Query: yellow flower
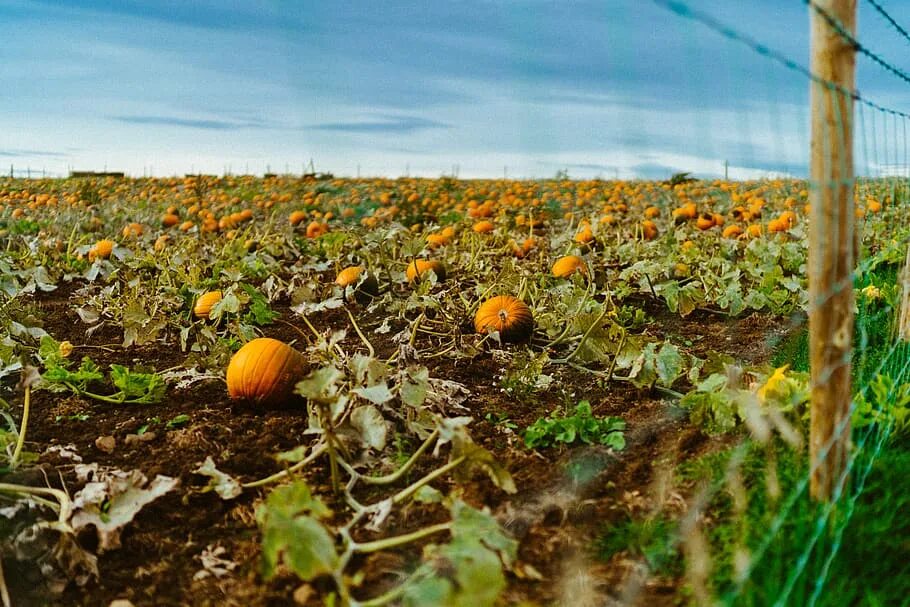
(773, 382)
(65, 348)
(872, 292)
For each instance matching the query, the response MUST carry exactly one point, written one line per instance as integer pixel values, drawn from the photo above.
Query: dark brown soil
(555, 517)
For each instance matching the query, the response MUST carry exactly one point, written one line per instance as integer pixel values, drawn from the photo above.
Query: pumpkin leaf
(293, 535)
(378, 394)
(226, 486)
(370, 425)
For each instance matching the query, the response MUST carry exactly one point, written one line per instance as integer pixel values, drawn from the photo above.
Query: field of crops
(299, 391)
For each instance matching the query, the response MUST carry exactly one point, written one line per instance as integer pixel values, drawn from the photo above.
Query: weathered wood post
(832, 256)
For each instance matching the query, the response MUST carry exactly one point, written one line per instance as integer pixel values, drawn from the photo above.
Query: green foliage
(259, 311)
(292, 533)
(884, 403)
(525, 375)
(133, 387)
(57, 375)
(467, 570)
(582, 426)
(719, 405)
(651, 538)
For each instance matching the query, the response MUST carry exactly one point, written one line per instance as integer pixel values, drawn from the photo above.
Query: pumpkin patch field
(361, 392)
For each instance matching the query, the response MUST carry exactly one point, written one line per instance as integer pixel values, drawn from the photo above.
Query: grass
(648, 538)
(857, 554)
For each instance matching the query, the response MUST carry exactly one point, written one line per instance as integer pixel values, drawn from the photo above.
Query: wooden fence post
(832, 255)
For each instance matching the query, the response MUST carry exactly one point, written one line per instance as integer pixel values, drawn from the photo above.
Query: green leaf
(668, 363)
(414, 387)
(321, 385)
(378, 394)
(260, 312)
(293, 535)
(137, 387)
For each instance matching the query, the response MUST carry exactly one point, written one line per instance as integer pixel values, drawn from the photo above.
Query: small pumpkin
(483, 227)
(705, 221)
(205, 302)
(568, 265)
(101, 250)
(419, 266)
(296, 217)
(648, 229)
(584, 235)
(169, 220)
(506, 314)
(732, 231)
(316, 229)
(265, 371)
(350, 277)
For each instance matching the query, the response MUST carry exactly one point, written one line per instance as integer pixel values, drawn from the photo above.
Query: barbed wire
(848, 37)
(881, 11)
(684, 10)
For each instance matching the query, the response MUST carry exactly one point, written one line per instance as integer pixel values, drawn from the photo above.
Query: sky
(477, 88)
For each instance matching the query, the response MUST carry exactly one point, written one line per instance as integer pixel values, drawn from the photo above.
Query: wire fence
(790, 559)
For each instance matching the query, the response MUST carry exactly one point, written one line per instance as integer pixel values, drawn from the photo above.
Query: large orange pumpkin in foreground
(205, 302)
(265, 371)
(506, 314)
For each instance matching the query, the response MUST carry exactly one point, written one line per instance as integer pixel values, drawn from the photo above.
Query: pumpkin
(417, 268)
(652, 212)
(101, 250)
(568, 265)
(648, 229)
(506, 314)
(264, 371)
(705, 221)
(296, 217)
(316, 229)
(133, 229)
(350, 277)
(482, 227)
(205, 302)
(170, 220)
(584, 235)
(732, 231)
(437, 240)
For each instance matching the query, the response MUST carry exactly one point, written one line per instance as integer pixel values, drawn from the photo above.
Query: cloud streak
(385, 124)
(191, 123)
(31, 154)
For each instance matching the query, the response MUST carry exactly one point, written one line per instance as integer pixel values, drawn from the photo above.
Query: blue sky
(526, 88)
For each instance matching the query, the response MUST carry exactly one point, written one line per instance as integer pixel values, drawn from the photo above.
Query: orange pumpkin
(205, 302)
(101, 250)
(705, 221)
(265, 371)
(584, 235)
(648, 229)
(316, 229)
(296, 217)
(170, 220)
(482, 227)
(419, 266)
(437, 240)
(732, 231)
(350, 277)
(508, 315)
(568, 265)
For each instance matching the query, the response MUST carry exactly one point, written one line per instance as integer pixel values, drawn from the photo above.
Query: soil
(555, 517)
